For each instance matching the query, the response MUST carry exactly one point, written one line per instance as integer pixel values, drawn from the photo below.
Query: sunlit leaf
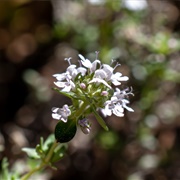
(31, 152)
(67, 94)
(99, 119)
(49, 141)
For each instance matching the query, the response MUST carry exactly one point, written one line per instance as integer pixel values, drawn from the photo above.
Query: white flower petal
(125, 101)
(71, 68)
(64, 120)
(124, 78)
(74, 74)
(128, 108)
(119, 114)
(100, 74)
(60, 77)
(82, 57)
(118, 110)
(94, 65)
(72, 85)
(54, 109)
(118, 74)
(109, 71)
(114, 99)
(103, 111)
(118, 90)
(97, 80)
(107, 111)
(66, 89)
(85, 62)
(115, 82)
(59, 84)
(108, 68)
(82, 70)
(56, 116)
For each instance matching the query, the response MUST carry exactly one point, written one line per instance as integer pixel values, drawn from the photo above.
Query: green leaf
(99, 118)
(41, 142)
(31, 152)
(64, 132)
(43, 148)
(4, 167)
(68, 94)
(39, 150)
(49, 141)
(5, 174)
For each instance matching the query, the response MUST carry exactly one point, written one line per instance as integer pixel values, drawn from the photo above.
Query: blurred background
(142, 35)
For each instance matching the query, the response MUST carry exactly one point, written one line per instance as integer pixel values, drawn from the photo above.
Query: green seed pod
(64, 132)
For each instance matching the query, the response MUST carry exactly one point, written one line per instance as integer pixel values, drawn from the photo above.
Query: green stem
(50, 153)
(82, 108)
(43, 164)
(27, 176)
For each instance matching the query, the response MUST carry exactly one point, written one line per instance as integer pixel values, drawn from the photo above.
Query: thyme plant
(92, 87)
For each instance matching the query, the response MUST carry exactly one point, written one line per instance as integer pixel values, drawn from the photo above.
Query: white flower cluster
(94, 81)
(103, 75)
(117, 103)
(65, 80)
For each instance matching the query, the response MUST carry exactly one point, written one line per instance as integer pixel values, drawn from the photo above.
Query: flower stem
(82, 108)
(50, 153)
(44, 163)
(27, 176)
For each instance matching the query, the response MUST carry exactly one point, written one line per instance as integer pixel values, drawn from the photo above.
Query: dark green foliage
(64, 132)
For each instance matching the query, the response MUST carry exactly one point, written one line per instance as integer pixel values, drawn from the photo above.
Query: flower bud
(85, 130)
(85, 126)
(104, 93)
(83, 86)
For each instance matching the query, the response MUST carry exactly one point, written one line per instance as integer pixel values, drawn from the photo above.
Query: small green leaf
(39, 150)
(68, 94)
(41, 142)
(43, 148)
(4, 167)
(31, 152)
(99, 119)
(39, 147)
(64, 132)
(5, 174)
(49, 141)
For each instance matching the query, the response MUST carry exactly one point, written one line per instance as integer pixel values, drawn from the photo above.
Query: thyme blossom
(61, 113)
(90, 87)
(117, 103)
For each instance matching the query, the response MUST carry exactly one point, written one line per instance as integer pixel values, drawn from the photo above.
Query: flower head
(91, 87)
(117, 103)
